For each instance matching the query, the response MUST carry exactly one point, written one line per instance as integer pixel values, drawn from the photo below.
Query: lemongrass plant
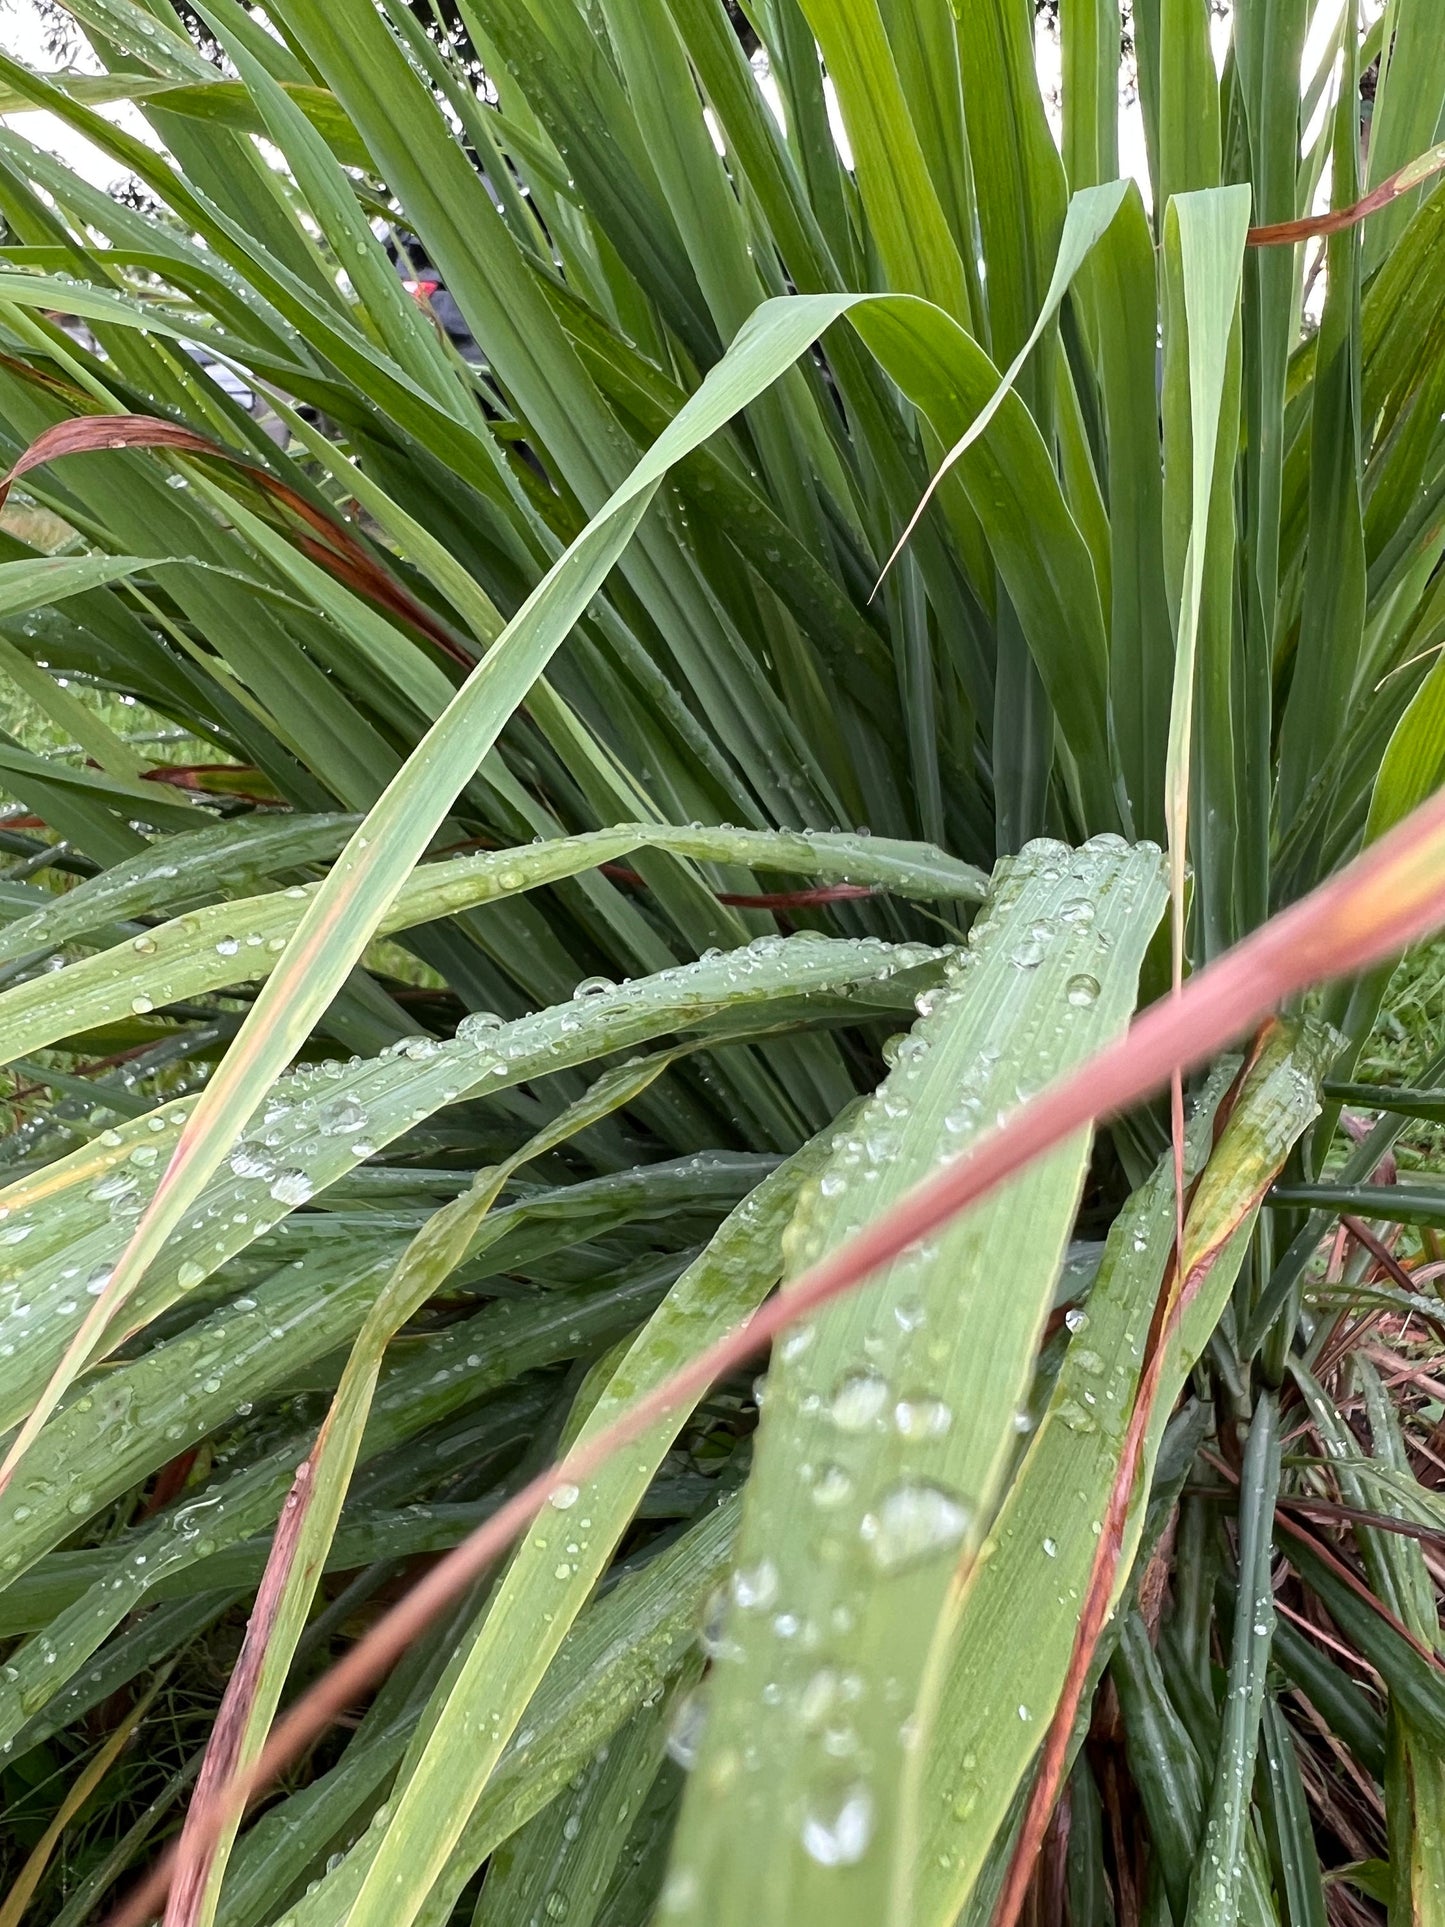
(638, 832)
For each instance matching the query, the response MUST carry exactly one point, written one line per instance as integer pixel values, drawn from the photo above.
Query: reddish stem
(1280, 234)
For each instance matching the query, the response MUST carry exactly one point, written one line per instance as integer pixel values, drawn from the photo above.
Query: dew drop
(342, 1117)
(831, 1487)
(712, 1633)
(858, 1402)
(246, 1162)
(755, 1587)
(593, 987)
(679, 1894)
(794, 1343)
(684, 1738)
(291, 1187)
(922, 1417)
(912, 1522)
(836, 1831)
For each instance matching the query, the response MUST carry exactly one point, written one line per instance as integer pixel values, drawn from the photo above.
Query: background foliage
(710, 893)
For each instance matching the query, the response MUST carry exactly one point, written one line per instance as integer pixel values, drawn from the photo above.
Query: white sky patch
(1133, 156)
(1317, 40)
(22, 35)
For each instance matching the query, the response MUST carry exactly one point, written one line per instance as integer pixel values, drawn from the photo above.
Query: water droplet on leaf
(913, 1521)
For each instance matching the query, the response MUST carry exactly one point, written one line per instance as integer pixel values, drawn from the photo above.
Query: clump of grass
(522, 1027)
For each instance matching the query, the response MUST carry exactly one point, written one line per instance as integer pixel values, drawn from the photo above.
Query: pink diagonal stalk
(1387, 898)
(1284, 234)
(218, 1776)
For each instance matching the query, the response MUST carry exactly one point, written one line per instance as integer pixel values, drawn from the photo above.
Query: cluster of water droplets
(323, 1119)
(875, 1432)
